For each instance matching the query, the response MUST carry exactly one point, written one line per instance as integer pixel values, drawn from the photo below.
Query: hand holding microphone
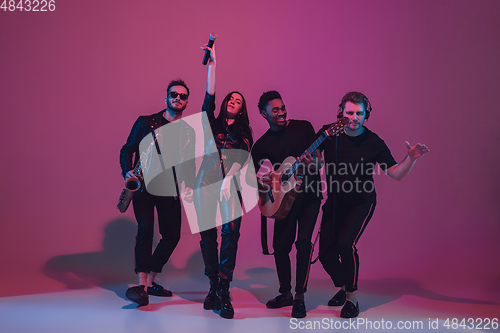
(207, 49)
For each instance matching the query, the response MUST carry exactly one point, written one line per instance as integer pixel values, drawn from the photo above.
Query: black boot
(223, 300)
(209, 303)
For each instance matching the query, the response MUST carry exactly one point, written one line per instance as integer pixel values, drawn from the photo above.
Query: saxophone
(133, 184)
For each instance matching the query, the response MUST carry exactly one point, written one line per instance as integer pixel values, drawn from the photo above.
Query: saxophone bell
(132, 184)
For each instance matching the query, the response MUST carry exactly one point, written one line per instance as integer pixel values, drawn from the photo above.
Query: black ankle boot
(209, 303)
(223, 300)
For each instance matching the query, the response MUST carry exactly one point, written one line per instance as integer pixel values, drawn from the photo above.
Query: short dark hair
(177, 82)
(356, 98)
(266, 98)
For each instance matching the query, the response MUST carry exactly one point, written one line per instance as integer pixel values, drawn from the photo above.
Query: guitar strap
(263, 235)
(163, 165)
(263, 239)
(314, 245)
(334, 201)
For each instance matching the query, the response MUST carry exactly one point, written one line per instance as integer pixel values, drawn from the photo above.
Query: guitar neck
(316, 143)
(310, 150)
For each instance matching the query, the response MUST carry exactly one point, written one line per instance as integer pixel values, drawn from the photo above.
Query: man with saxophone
(168, 208)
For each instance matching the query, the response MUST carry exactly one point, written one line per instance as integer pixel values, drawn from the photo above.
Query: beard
(176, 108)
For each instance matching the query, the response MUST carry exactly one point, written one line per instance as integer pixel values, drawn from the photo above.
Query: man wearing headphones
(350, 160)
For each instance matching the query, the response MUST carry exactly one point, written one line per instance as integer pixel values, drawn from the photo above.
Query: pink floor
(384, 304)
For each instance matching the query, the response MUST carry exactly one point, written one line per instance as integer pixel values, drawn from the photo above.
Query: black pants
(303, 214)
(344, 220)
(169, 223)
(206, 199)
(230, 233)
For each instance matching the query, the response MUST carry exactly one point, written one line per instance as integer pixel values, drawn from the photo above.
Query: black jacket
(143, 126)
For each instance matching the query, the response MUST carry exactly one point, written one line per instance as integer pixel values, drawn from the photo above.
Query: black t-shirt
(351, 161)
(293, 140)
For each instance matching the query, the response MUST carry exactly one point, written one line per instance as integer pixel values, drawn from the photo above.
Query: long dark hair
(241, 123)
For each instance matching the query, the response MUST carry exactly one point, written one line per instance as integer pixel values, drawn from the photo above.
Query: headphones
(356, 98)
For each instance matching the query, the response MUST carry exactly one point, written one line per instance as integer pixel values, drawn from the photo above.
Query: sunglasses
(174, 95)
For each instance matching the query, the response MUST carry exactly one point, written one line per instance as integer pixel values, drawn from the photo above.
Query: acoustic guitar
(277, 200)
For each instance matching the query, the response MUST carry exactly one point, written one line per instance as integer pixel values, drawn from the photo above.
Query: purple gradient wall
(73, 81)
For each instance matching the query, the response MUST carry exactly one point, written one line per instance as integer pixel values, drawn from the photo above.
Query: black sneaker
(338, 299)
(137, 295)
(279, 302)
(157, 290)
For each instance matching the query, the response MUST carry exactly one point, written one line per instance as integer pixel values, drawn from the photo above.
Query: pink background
(73, 81)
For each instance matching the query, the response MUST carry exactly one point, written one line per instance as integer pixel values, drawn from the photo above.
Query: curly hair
(266, 98)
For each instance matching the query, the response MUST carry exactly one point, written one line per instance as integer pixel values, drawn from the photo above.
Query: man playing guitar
(290, 138)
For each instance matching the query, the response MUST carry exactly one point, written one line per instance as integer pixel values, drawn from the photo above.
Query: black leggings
(206, 199)
(344, 220)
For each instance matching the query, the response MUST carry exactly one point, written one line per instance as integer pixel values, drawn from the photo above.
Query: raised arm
(209, 101)
(401, 170)
(211, 69)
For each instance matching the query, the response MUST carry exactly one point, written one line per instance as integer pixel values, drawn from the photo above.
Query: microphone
(211, 41)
